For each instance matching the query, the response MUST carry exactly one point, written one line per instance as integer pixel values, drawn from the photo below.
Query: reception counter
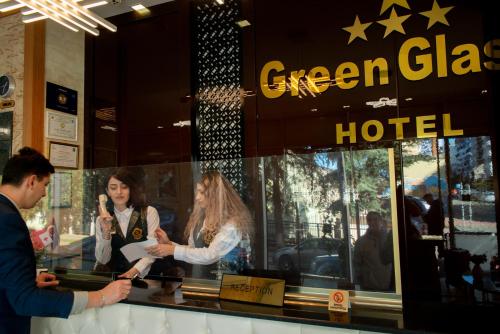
(158, 309)
(193, 307)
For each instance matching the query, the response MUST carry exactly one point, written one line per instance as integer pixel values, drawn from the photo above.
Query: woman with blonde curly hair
(218, 224)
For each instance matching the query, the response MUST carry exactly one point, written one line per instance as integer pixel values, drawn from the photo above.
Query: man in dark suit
(25, 177)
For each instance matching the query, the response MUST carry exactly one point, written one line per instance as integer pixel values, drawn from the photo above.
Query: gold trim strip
(306, 296)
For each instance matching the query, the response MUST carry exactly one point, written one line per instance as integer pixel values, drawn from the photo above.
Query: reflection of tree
(370, 172)
(296, 184)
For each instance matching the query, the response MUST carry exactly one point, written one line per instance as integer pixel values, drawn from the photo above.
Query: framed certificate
(61, 126)
(63, 155)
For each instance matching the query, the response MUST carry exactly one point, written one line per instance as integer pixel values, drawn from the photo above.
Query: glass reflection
(326, 219)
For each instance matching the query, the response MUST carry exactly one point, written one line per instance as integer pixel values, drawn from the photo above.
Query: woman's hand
(45, 279)
(161, 250)
(115, 291)
(132, 273)
(162, 236)
(105, 224)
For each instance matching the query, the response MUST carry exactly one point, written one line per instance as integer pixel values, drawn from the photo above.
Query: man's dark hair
(27, 162)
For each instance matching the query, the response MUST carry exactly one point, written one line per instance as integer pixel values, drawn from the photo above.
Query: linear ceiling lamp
(73, 14)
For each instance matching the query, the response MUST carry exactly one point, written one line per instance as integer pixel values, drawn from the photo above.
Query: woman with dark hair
(130, 221)
(219, 223)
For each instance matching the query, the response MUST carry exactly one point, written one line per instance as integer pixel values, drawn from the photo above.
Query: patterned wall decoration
(218, 99)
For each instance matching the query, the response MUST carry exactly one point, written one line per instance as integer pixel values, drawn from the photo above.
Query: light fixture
(220, 2)
(141, 9)
(73, 14)
(9, 5)
(243, 23)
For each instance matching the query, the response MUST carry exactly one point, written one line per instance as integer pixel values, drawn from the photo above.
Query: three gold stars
(436, 14)
(357, 30)
(388, 3)
(394, 23)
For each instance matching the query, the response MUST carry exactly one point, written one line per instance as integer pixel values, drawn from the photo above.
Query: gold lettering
(422, 126)
(472, 57)
(321, 83)
(447, 130)
(492, 50)
(424, 60)
(383, 71)
(278, 81)
(442, 67)
(294, 81)
(347, 70)
(351, 133)
(378, 133)
(399, 125)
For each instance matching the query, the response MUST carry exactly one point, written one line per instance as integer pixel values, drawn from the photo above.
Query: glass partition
(318, 220)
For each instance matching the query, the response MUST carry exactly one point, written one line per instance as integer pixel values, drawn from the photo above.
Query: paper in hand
(136, 250)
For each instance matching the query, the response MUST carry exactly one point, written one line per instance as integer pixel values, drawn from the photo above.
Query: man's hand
(115, 291)
(162, 236)
(161, 250)
(132, 273)
(45, 279)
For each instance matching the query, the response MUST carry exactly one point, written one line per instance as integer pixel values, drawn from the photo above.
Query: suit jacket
(19, 296)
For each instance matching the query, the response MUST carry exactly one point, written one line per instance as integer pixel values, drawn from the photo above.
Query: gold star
(437, 14)
(388, 3)
(357, 30)
(394, 23)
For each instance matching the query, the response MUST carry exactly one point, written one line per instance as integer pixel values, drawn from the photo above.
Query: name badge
(338, 301)
(267, 291)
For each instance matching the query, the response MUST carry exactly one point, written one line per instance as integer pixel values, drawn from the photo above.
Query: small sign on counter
(338, 301)
(267, 291)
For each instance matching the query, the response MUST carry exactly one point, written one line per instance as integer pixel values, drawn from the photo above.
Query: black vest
(137, 231)
(202, 270)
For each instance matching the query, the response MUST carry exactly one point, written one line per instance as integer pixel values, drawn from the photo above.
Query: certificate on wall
(63, 155)
(61, 126)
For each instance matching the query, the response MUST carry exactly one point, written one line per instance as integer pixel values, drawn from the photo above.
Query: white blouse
(224, 241)
(103, 246)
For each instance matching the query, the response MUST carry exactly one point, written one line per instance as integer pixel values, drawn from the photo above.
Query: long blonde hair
(223, 204)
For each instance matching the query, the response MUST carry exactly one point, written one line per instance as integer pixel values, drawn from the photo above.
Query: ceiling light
(140, 9)
(72, 14)
(243, 23)
(10, 5)
(409, 99)
(91, 3)
(33, 17)
(220, 2)
(159, 127)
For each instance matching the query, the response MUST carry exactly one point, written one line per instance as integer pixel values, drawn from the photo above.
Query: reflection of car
(326, 265)
(423, 205)
(483, 196)
(288, 258)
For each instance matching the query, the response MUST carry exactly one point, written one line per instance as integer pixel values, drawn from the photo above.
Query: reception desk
(158, 309)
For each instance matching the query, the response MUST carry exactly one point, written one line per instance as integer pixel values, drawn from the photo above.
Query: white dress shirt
(224, 241)
(103, 246)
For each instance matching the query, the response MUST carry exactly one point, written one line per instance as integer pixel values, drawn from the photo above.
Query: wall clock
(7, 85)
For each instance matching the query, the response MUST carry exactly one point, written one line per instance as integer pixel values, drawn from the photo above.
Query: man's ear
(30, 180)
